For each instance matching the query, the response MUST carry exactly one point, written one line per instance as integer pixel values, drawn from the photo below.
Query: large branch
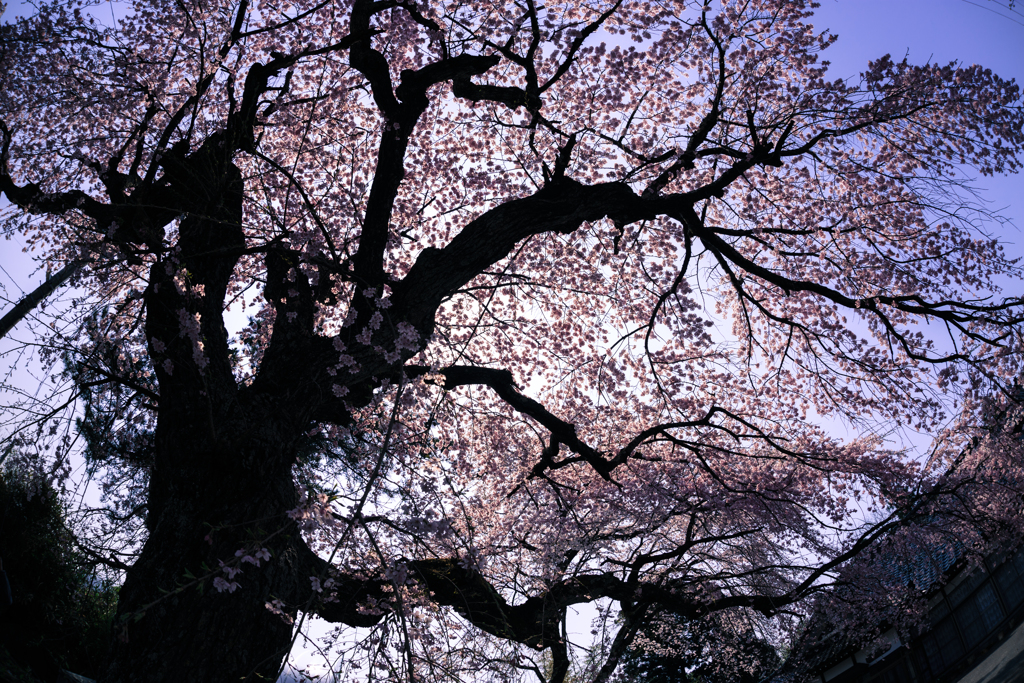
(400, 119)
(31, 196)
(534, 622)
(510, 96)
(242, 123)
(36, 296)
(347, 605)
(449, 582)
(126, 220)
(561, 206)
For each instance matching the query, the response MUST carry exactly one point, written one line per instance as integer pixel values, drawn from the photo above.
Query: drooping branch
(502, 383)
(564, 433)
(632, 620)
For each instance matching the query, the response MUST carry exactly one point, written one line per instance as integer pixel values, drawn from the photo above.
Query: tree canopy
(436, 319)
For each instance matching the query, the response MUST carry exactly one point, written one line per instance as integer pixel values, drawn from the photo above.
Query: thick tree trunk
(221, 477)
(206, 509)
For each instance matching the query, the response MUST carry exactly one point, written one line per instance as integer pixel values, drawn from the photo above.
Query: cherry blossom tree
(547, 305)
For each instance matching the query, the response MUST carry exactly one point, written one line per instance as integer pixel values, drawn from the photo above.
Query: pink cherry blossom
(469, 313)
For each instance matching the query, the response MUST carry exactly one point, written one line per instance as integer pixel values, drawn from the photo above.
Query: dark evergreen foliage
(61, 613)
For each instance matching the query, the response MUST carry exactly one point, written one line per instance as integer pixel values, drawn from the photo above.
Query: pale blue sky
(982, 32)
(971, 31)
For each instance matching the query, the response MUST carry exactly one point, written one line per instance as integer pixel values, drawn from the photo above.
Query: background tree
(62, 612)
(549, 302)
